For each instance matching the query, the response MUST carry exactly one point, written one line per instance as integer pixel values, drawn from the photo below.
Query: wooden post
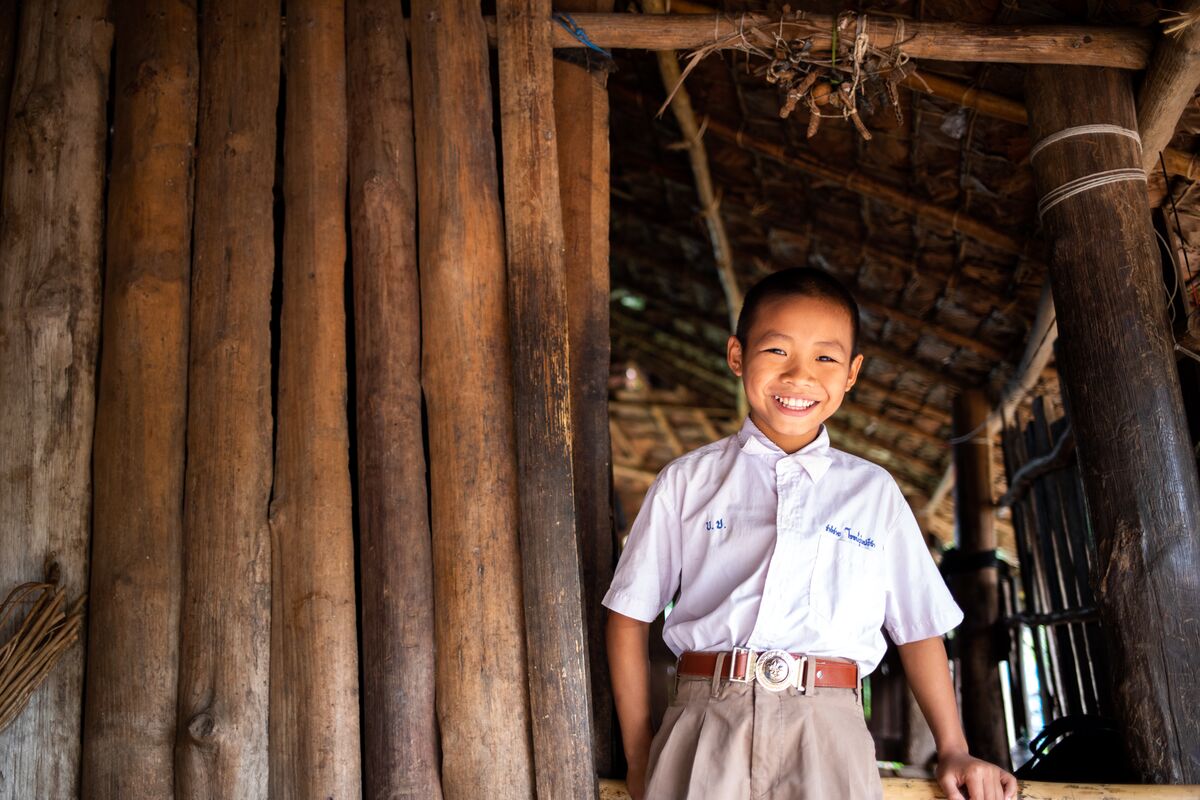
(400, 747)
(315, 748)
(50, 254)
(1119, 373)
(10, 18)
(1168, 86)
(482, 695)
(977, 589)
(558, 670)
(136, 577)
(221, 739)
(581, 120)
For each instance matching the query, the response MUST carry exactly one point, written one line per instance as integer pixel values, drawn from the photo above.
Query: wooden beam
(910, 364)
(1119, 374)
(10, 20)
(664, 424)
(141, 413)
(314, 716)
(559, 685)
(977, 591)
(940, 331)
(400, 744)
(1168, 85)
(225, 623)
(482, 700)
(581, 122)
(902, 428)
(52, 204)
(1126, 48)
(919, 472)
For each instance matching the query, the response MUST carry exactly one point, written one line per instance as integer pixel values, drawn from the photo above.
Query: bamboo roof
(931, 223)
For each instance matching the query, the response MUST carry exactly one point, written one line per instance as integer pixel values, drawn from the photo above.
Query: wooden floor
(910, 789)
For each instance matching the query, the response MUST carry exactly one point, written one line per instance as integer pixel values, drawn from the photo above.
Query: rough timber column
(1119, 372)
(976, 589)
(50, 253)
(581, 121)
(400, 747)
(559, 688)
(482, 696)
(225, 621)
(137, 537)
(315, 748)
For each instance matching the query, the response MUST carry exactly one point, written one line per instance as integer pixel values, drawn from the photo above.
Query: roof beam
(1126, 48)
(1168, 86)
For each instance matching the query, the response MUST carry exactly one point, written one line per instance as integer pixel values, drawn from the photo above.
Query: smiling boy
(789, 558)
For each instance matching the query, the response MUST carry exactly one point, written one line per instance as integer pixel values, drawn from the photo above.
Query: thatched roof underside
(942, 310)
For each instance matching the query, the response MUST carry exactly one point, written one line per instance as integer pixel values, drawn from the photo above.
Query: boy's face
(797, 365)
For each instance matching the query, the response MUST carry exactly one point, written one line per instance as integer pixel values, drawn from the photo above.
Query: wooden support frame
(1168, 85)
(1119, 374)
(559, 685)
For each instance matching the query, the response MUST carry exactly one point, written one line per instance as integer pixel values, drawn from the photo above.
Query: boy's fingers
(949, 784)
(1010, 786)
(976, 787)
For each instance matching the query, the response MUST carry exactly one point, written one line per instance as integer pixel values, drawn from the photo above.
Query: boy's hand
(635, 781)
(982, 780)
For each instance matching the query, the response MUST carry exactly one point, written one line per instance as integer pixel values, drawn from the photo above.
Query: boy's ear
(855, 366)
(733, 355)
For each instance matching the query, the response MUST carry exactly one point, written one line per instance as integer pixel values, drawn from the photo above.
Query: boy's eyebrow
(830, 344)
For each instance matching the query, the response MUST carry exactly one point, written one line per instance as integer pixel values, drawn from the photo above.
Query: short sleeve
(648, 573)
(918, 604)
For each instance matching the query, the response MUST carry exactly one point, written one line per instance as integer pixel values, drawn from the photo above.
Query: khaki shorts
(748, 743)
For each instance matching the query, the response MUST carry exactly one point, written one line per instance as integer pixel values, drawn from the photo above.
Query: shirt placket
(785, 588)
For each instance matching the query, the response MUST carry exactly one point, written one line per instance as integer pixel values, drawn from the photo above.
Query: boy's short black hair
(798, 281)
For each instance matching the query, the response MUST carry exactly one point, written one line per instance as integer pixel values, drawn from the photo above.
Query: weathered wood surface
(141, 414)
(315, 746)
(1119, 374)
(10, 18)
(482, 695)
(559, 686)
(1168, 86)
(1128, 48)
(221, 739)
(977, 591)
(400, 746)
(51, 209)
(915, 789)
(581, 122)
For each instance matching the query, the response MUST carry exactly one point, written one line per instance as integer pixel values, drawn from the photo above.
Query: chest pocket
(848, 583)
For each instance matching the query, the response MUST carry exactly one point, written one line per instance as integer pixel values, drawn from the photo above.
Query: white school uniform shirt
(812, 553)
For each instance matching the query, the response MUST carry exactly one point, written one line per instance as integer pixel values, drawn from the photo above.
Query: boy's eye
(776, 350)
(830, 359)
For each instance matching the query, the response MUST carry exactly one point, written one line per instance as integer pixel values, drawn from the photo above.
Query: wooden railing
(913, 789)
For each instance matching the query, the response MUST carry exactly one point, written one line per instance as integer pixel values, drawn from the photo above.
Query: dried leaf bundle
(29, 655)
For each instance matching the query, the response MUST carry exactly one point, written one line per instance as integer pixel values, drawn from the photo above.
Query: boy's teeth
(799, 405)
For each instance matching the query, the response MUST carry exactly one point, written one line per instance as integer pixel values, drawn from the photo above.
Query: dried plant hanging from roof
(835, 73)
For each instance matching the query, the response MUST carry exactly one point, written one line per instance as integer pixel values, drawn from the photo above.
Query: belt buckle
(776, 670)
(749, 674)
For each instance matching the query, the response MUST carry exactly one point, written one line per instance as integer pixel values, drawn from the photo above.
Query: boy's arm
(928, 673)
(629, 665)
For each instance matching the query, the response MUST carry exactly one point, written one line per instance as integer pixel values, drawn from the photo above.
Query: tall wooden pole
(315, 749)
(10, 19)
(137, 569)
(1119, 372)
(977, 589)
(51, 209)
(558, 670)
(221, 739)
(400, 747)
(581, 121)
(467, 376)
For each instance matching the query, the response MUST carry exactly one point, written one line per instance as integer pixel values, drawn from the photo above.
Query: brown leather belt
(773, 669)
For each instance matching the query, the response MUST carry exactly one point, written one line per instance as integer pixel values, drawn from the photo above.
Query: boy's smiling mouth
(794, 403)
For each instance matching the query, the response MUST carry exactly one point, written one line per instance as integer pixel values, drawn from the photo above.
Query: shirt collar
(814, 456)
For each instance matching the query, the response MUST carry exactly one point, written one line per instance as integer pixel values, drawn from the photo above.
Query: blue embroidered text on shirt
(717, 525)
(850, 535)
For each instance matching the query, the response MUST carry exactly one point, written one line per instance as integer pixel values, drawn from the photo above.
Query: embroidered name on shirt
(849, 535)
(715, 525)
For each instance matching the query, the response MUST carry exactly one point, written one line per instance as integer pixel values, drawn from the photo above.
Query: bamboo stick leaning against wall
(221, 739)
(315, 748)
(400, 747)
(557, 648)
(581, 123)
(1119, 373)
(50, 241)
(482, 696)
(138, 455)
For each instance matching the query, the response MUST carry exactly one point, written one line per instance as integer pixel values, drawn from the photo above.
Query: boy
(789, 558)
